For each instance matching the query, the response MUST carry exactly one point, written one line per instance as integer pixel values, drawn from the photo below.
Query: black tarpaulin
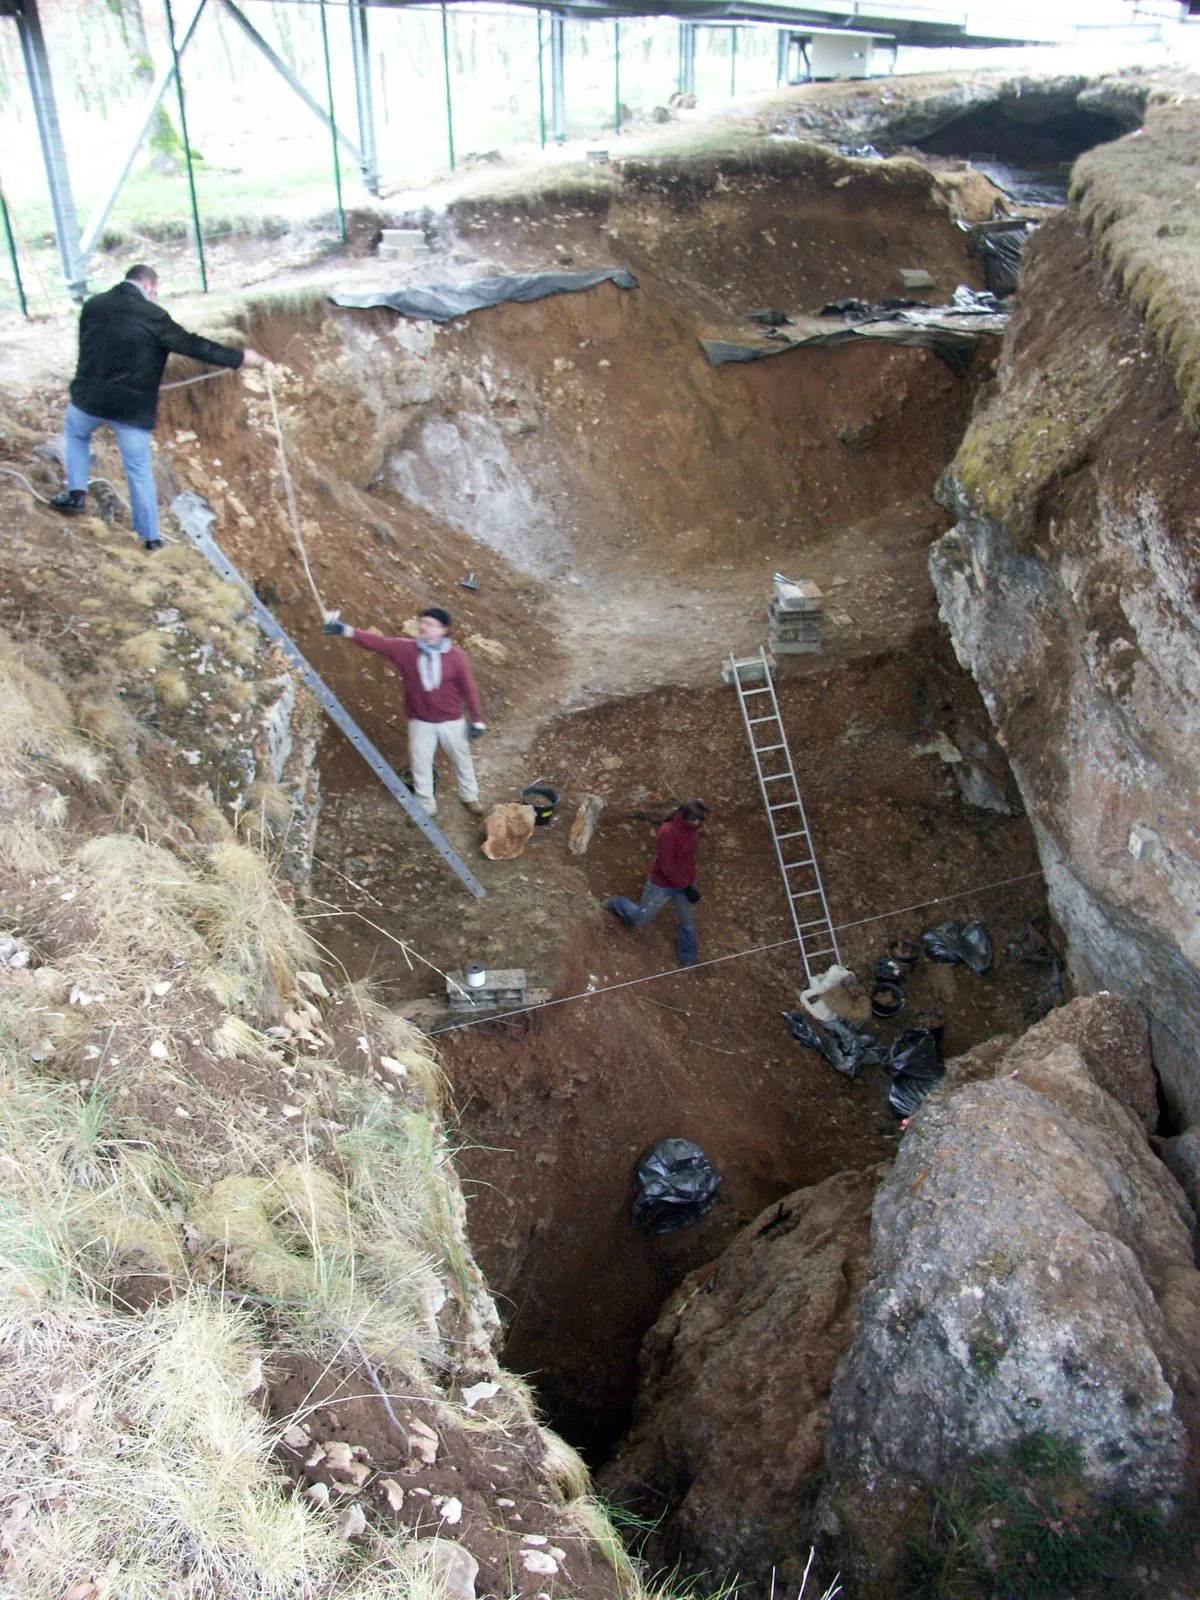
(442, 302)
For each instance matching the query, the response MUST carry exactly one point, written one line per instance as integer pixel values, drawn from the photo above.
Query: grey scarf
(429, 661)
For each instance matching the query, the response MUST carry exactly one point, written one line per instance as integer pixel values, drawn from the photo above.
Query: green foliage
(1027, 1526)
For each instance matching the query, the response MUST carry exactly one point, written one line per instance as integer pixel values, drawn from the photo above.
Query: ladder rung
(797, 833)
(817, 922)
(782, 805)
(806, 894)
(774, 777)
(746, 693)
(765, 749)
(754, 720)
(791, 866)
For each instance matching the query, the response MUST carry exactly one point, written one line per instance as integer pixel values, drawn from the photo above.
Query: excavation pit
(621, 508)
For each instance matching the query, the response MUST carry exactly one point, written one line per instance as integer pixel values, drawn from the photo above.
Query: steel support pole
(289, 77)
(446, 80)
(54, 155)
(558, 95)
(360, 50)
(733, 33)
(12, 256)
(337, 164)
(687, 58)
(541, 85)
(617, 72)
(187, 148)
(781, 56)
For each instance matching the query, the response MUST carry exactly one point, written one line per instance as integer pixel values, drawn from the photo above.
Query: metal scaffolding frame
(918, 23)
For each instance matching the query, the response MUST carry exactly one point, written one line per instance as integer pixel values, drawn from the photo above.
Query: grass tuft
(1137, 198)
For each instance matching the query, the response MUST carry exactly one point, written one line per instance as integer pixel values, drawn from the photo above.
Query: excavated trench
(622, 507)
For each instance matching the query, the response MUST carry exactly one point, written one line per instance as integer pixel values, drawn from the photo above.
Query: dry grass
(139, 1456)
(1137, 198)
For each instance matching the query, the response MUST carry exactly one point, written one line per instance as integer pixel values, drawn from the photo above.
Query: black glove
(692, 894)
(337, 629)
(476, 730)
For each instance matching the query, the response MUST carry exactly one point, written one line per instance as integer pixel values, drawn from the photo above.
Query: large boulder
(1031, 1273)
(729, 1430)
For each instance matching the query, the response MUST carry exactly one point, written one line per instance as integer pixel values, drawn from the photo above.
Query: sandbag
(845, 1048)
(916, 1069)
(676, 1186)
(957, 944)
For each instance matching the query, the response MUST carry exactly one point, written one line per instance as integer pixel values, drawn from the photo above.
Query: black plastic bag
(845, 1048)
(977, 948)
(916, 1068)
(676, 1186)
(999, 245)
(953, 944)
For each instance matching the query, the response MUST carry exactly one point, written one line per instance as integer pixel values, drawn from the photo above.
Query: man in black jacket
(124, 342)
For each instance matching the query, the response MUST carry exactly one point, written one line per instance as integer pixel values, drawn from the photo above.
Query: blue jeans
(653, 900)
(134, 445)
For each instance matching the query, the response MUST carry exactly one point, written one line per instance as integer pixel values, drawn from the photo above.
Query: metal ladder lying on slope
(785, 813)
(196, 517)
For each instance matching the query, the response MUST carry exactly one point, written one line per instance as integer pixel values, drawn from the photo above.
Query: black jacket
(124, 341)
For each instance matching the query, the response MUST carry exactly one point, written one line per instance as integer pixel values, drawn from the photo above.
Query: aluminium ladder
(785, 814)
(196, 517)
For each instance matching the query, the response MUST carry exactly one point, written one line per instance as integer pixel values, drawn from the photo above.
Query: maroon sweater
(443, 704)
(675, 854)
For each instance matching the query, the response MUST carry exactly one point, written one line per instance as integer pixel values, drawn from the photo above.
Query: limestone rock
(452, 1567)
(1068, 587)
(583, 825)
(1031, 1271)
(734, 1386)
(1182, 1159)
(509, 827)
(1111, 1038)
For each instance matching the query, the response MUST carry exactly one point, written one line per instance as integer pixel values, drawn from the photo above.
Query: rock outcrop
(1069, 586)
(734, 1401)
(1031, 1273)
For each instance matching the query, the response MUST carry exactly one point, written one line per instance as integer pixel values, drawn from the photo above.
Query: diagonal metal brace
(196, 517)
(285, 72)
(150, 106)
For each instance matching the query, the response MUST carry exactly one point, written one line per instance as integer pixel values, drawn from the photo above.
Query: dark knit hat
(438, 613)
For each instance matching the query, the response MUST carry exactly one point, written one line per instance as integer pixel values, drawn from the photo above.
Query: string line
(714, 961)
(290, 495)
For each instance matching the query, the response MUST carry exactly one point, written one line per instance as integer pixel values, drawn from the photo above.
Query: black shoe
(152, 544)
(70, 502)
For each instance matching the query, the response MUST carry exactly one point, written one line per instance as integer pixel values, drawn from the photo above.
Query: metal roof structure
(928, 23)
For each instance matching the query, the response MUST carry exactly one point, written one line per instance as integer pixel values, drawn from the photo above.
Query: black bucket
(544, 801)
(905, 953)
(887, 999)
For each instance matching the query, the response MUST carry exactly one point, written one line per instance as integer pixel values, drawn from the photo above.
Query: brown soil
(667, 493)
(496, 1475)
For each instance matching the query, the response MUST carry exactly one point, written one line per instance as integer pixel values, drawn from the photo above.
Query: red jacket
(675, 854)
(443, 704)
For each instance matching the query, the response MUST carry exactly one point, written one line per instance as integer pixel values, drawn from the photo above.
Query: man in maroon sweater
(438, 686)
(672, 877)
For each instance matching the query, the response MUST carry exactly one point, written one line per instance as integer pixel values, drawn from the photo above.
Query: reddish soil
(555, 1119)
(669, 491)
(493, 1473)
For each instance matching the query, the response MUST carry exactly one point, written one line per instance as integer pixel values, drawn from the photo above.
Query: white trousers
(423, 740)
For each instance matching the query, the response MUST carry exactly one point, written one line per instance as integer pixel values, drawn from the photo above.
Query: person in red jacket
(438, 689)
(672, 877)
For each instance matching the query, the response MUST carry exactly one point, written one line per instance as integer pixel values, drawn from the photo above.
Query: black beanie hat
(438, 614)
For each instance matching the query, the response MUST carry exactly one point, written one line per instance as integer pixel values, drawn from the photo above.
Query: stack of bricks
(795, 614)
(403, 245)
